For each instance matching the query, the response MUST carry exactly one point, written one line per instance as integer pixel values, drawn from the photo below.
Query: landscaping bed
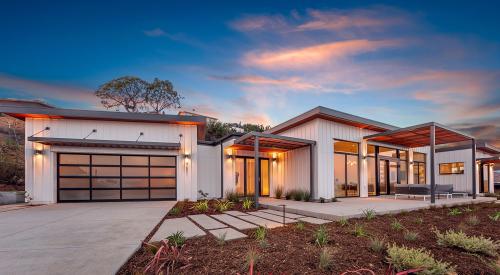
(292, 250)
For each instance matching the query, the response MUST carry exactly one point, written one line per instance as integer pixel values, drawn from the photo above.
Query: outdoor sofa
(424, 190)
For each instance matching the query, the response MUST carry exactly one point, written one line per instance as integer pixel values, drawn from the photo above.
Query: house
(82, 155)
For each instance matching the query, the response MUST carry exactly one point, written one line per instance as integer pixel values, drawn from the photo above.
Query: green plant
(201, 206)
(288, 195)
(251, 259)
(377, 245)
(410, 236)
(260, 233)
(454, 212)
(369, 214)
(325, 258)
(472, 220)
(297, 195)
(396, 225)
(343, 221)
(419, 220)
(166, 258)
(467, 209)
(278, 192)
(495, 217)
(232, 196)
(403, 258)
(359, 231)
(175, 211)
(321, 236)
(473, 244)
(222, 206)
(247, 203)
(300, 225)
(221, 238)
(306, 196)
(177, 239)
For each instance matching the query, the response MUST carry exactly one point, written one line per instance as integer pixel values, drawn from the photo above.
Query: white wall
(209, 170)
(41, 170)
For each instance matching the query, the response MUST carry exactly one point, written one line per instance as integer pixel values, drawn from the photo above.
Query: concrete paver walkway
(171, 226)
(234, 222)
(260, 221)
(75, 238)
(206, 222)
(272, 217)
(280, 213)
(228, 233)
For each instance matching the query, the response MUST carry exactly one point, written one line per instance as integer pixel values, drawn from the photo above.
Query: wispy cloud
(44, 90)
(156, 32)
(293, 83)
(259, 23)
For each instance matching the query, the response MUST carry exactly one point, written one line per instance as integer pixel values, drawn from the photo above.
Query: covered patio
(428, 134)
(261, 142)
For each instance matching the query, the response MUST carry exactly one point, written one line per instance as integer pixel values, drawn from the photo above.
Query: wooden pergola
(428, 134)
(261, 142)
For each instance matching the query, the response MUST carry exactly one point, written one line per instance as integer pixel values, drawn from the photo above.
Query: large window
(346, 168)
(84, 177)
(451, 168)
(403, 167)
(372, 175)
(418, 168)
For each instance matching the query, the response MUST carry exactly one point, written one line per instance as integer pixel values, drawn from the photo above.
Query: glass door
(383, 177)
(486, 179)
(245, 175)
(393, 176)
(250, 177)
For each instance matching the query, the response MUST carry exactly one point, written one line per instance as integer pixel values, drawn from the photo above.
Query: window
(346, 169)
(451, 168)
(418, 168)
(388, 152)
(340, 146)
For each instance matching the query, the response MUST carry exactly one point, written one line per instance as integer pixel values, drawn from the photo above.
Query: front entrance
(484, 187)
(388, 176)
(245, 176)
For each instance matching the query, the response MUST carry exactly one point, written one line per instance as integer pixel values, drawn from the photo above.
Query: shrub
(473, 244)
(166, 258)
(359, 231)
(410, 236)
(221, 238)
(247, 203)
(260, 233)
(468, 209)
(177, 239)
(495, 217)
(222, 205)
(472, 220)
(369, 214)
(300, 225)
(396, 225)
(297, 195)
(175, 211)
(232, 196)
(201, 206)
(377, 245)
(325, 259)
(454, 212)
(321, 236)
(306, 196)
(251, 259)
(278, 192)
(403, 258)
(343, 222)
(419, 220)
(288, 195)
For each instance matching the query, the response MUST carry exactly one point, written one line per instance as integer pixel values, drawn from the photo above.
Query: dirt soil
(292, 251)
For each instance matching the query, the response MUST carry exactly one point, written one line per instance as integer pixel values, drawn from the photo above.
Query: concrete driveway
(75, 238)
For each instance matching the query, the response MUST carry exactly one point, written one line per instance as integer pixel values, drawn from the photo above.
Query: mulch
(289, 250)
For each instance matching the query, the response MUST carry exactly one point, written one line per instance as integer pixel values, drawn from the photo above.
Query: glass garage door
(94, 177)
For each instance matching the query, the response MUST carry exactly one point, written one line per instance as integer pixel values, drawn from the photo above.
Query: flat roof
(104, 143)
(331, 115)
(419, 135)
(270, 142)
(23, 111)
(491, 160)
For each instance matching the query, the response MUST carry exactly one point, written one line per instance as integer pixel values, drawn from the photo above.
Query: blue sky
(400, 62)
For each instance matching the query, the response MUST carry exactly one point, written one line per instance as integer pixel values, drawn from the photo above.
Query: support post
(257, 171)
(433, 151)
(474, 191)
(311, 172)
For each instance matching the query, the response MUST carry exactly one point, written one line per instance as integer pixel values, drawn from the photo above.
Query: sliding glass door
(245, 176)
(346, 169)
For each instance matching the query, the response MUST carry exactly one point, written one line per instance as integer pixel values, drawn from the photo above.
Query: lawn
(346, 245)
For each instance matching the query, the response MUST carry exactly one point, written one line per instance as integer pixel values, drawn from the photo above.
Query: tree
(161, 95)
(136, 95)
(217, 129)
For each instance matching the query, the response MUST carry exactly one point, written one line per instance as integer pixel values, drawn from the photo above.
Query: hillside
(11, 154)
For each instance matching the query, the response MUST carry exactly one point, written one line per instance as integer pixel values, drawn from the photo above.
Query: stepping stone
(260, 221)
(171, 226)
(314, 220)
(234, 222)
(206, 222)
(280, 213)
(235, 213)
(272, 217)
(231, 234)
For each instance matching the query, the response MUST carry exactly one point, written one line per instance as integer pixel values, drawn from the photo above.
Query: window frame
(461, 172)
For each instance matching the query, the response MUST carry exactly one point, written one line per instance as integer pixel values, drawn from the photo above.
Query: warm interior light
(274, 157)
(38, 152)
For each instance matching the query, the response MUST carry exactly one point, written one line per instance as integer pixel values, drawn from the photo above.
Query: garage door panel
(90, 177)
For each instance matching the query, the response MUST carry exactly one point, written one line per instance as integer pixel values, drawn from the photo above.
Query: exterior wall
(41, 169)
(209, 170)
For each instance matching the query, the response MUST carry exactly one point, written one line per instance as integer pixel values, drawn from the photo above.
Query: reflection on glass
(383, 177)
(403, 172)
(163, 182)
(250, 177)
(135, 171)
(105, 171)
(163, 193)
(162, 161)
(105, 160)
(421, 173)
(105, 183)
(420, 157)
(134, 160)
(74, 159)
(486, 181)
(372, 183)
(135, 183)
(345, 146)
(135, 194)
(238, 176)
(352, 176)
(74, 182)
(74, 171)
(339, 174)
(264, 174)
(77, 195)
(371, 150)
(388, 152)
(393, 176)
(162, 172)
(105, 194)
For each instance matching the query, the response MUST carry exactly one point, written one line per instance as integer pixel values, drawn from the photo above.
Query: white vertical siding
(41, 170)
(209, 170)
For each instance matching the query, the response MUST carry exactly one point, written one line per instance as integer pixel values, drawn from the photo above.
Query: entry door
(485, 181)
(383, 177)
(388, 176)
(245, 176)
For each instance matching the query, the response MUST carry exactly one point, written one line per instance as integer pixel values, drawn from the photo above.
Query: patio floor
(353, 207)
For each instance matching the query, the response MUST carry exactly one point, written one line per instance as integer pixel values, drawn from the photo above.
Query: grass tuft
(321, 236)
(369, 214)
(377, 245)
(403, 258)
(278, 192)
(359, 231)
(247, 204)
(396, 225)
(472, 244)
(343, 222)
(472, 220)
(410, 236)
(300, 225)
(325, 259)
(222, 205)
(454, 212)
(177, 239)
(201, 206)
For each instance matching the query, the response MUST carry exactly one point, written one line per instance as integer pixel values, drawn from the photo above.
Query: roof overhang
(58, 113)
(490, 160)
(104, 143)
(331, 115)
(419, 136)
(270, 143)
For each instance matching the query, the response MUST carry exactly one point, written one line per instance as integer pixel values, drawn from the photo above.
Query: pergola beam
(433, 153)
(474, 169)
(257, 171)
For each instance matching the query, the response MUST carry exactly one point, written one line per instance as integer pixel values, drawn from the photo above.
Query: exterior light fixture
(38, 152)
(274, 157)
(229, 154)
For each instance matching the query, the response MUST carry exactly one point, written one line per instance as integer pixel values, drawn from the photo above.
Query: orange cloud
(294, 83)
(301, 58)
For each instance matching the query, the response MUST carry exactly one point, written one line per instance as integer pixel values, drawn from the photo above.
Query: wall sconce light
(38, 152)
(411, 162)
(274, 158)
(229, 154)
(364, 157)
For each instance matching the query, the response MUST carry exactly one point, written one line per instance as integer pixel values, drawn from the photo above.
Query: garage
(105, 177)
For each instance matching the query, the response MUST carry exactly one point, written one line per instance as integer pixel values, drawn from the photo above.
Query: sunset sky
(399, 62)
